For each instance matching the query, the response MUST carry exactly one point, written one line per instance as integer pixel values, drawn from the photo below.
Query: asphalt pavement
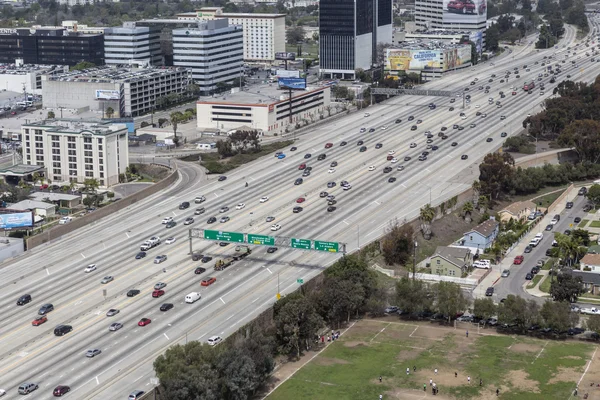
(53, 273)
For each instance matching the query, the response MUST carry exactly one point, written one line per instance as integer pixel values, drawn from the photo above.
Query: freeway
(54, 273)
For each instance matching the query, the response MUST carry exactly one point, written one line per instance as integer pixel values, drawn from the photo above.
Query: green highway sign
(224, 236)
(332, 247)
(300, 281)
(261, 239)
(303, 244)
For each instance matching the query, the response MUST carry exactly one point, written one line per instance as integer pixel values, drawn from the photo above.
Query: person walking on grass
(407, 371)
(435, 371)
(469, 379)
(379, 378)
(424, 387)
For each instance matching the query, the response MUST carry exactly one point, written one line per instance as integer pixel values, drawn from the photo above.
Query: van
(27, 387)
(26, 298)
(136, 395)
(192, 297)
(62, 330)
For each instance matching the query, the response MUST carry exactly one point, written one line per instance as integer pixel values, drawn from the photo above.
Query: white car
(65, 220)
(331, 170)
(275, 227)
(167, 220)
(170, 240)
(264, 199)
(413, 145)
(391, 152)
(477, 106)
(394, 160)
(214, 340)
(383, 128)
(463, 117)
(240, 206)
(372, 168)
(347, 187)
(90, 268)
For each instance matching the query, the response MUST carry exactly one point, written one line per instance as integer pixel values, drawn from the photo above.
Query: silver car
(107, 279)
(160, 285)
(115, 326)
(112, 312)
(92, 353)
(159, 259)
(505, 273)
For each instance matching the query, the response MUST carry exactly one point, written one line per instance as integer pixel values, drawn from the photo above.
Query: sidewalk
(535, 291)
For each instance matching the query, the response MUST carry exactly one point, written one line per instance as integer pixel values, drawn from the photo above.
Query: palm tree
(427, 213)
(176, 117)
(476, 190)
(110, 112)
(91, 184)
(51, 115)
(467, 210)
(72, 185)
(482, 203)
(35, 177)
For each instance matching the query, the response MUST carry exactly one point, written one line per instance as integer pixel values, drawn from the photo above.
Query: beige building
(270, 111)
(39, 208)
(450, 261)
(264, 34)
(518, 211)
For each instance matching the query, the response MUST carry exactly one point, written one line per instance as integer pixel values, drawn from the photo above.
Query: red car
(518, 260)
(514, 93)
(389, 158)
(300, 200)
(44, 186)
(144, 322)
(466, 7)
(328, 145)
(302, 166)
(60, 390)
(208, 281)
(39, 320)
(158, 293)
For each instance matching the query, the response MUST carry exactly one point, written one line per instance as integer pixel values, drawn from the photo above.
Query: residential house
(62, 200)
(450, 261)
(590, 280)
(518, 211)
(39, 208)
(482, 236)
(594, 249)
(590, 263)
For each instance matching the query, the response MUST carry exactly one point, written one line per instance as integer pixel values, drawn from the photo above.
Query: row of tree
(239, 142)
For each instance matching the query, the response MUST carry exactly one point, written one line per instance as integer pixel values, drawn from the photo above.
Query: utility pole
(415, 261)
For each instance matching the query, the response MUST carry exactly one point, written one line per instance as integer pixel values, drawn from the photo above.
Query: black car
(307, 155)
(363, 149)
(419, 121)
(26, 298)
(443, 129)
(548, 252)
(298, 181)
(139, 255)
(489, 291)
(166, 307)
(444, 137)
(434, 148)
(378, 145)
(454, 126)
(297, 209)
(582, 191)
(323, 194)
(464, 157)
(293, 149)
(322, 157)
(62, 330)
(199, 270)
(387, 169)
(343, 143)
(222, 178)
(398, 120)
(133, 293)
(184, 205)
(413, 128)
(223, 244)
(549, 227)
(330, 209)
(371, 130)
(489, 139)
(535, 270)
(587, 208)
(171, 224)
(577, 220)
(411, 118)
(575, 331)
(451, 109)
(391, 179)
(360, 143)
(528, 249)
(271, 250)
(45, 309)
(503, 134)
(454, 144)
(529, 276)
(211, 220)
(331, 184)
(568, 232)
(407, 158)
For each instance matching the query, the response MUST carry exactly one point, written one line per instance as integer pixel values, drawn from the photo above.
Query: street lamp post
(415, 261)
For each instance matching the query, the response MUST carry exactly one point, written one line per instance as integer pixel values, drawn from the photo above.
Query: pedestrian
(497, 392)
(455, 374)
(575, 393)
(424, 387)
(380, 396)
(379, 378)
(435, 371)
(467, 333)
(414, 368)
(480, 382)
(431, 382)
(328, 338)
(322, 338)
(407, 371)
(469, 379)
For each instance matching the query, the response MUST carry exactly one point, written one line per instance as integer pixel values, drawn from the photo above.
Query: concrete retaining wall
(549, 157)
(60, 230)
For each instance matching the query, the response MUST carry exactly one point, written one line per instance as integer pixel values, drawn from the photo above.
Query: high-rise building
(213, 50)
(132, 45)
(349, 31)
(50, 46)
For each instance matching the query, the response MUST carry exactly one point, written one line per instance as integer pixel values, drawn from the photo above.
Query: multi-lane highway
(54, 273)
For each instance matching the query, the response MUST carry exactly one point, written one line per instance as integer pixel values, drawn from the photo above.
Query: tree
(558, 316)
(449, 299)
(82, 65)
(516, 311)
(412, 296)
(584, 136)
(297, 322)
(176, 117)
(161, 122)
(593, 194)
(566, 287)
(88, 201)
(340, 299)
(484, 308)
(593, 323)
(426, 215)
(91, 185)
(492, 37)
(51, 115)
(495, 173)
(467, 211)
(109, 112)
(295, 34)
(397, 244)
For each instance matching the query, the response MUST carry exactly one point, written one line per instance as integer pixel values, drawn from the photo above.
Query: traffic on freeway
(105, 325)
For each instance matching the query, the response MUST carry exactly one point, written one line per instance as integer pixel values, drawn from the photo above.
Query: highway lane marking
(230, 317)
(448, 156)
(403, 185)
(344, 221)
(271, 272)
(166, 336)
(47, 271)
(204, 334)
(97, 380)
(216, 195)
(137, 379)
(82, 255)
(127, 235)
(376, 202)
(220, 298)
(253, 301)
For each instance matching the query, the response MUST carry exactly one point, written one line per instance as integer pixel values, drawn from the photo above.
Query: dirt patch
(431, 332)
(566, 375)
(354, 343)
(153, 172)
(326, 361)
(519, 380)
(444, 378)
(364, 331)
(408, 354)
(525, 348)
(409, 394)
(570, 358)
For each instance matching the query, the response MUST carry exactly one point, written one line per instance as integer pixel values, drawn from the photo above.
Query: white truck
(590, 311)
(150, 243)
(192, 297)
(536, 240)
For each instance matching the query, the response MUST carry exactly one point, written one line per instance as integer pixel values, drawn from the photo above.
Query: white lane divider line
(344, 221)
(270, 271)
(82, 255)
(220, 298)
(228, 318)
(403, 185)
(253, 301)
(166, 336)
(97, 381)
(126, 234)
(47, 271)
(216, 195)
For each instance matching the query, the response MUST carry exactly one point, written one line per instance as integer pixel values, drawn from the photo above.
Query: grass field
(583, 223)
(522, 368)
(536, 279)
(545, 285)
(595, 224)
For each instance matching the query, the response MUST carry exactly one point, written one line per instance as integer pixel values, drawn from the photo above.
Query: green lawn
(595, 224)
(308, 50)
(545, 285)
(535, 281)
(349, 368)
(583, 223)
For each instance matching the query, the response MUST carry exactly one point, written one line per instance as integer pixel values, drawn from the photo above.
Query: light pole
(415, 260)
(358, 236)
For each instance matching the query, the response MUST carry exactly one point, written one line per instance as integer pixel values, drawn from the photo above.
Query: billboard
(292, 83)
(16, 220)
(285, 56)
(407, 59)
(464, 11)
(107, 94)
(477, 38)
(454, 58)
(285, 73)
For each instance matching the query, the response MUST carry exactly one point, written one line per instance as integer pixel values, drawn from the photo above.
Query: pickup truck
(590, 311)
(150, 243)
(221, 264)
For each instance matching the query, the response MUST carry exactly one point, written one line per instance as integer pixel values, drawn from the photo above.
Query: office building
(129, 92)
(269, 111)
(76, 150)
(349, 31)
(136, 46)
(264, 34)
(50, 46)
(213, 50)
(429, 59)
(452, 15)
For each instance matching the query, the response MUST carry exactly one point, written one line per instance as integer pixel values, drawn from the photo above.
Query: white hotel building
(76, 150)
(135, 46)
(213, 51)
